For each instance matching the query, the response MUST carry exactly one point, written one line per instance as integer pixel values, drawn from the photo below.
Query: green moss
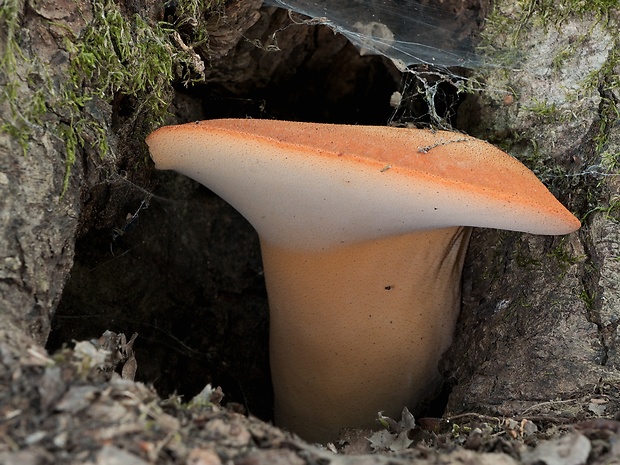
(543, 109)
(588, 298)
(10, 51)
(20, 119)
(115, 56)
(507, 30)
(607, 83)
(523, 256)
(190, 19)
(611, 209)
(552, 12)
(502, 39)
(564, 258)
(112, 56)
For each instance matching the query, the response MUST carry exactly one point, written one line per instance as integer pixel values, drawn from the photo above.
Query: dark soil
(142, 265)
(80, 406)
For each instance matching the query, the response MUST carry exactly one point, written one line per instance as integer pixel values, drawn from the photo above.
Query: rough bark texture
(539, 314)
(38, 225)
(185, 273)
(159, 255)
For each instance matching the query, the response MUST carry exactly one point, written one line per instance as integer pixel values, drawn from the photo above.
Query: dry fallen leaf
(203, 457)
(396, 438)
(111, 455)
(572, 449)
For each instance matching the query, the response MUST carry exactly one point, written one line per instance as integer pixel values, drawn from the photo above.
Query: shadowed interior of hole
(188, 294)
(411, 32)
(432, 42)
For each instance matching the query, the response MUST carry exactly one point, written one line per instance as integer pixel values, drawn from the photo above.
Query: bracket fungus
(363, 232)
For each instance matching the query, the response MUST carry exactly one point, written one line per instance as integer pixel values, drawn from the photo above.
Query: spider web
(409, 32)
(432, 45)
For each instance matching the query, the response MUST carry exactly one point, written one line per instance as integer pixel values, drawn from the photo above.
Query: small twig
(548, 403)
(474, 415)
(428, 148)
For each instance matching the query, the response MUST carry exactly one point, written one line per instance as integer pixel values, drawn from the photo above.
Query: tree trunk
(540, 314)
(93, 239)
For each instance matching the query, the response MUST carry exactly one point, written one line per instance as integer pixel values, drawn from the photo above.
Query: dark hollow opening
(180, 267)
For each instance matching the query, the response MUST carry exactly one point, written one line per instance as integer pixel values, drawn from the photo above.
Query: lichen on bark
(535, 324)
(66, 68)
(540, 314)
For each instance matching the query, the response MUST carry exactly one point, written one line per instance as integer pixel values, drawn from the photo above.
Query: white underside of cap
(295, 200)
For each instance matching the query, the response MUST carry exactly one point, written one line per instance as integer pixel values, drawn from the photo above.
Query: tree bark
(38, 223)
(540, 314)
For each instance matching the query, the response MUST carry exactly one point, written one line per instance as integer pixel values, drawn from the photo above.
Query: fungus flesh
(363, 233)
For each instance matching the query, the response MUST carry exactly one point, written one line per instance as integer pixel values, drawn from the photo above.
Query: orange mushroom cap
(317, 185)
(363, 234)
